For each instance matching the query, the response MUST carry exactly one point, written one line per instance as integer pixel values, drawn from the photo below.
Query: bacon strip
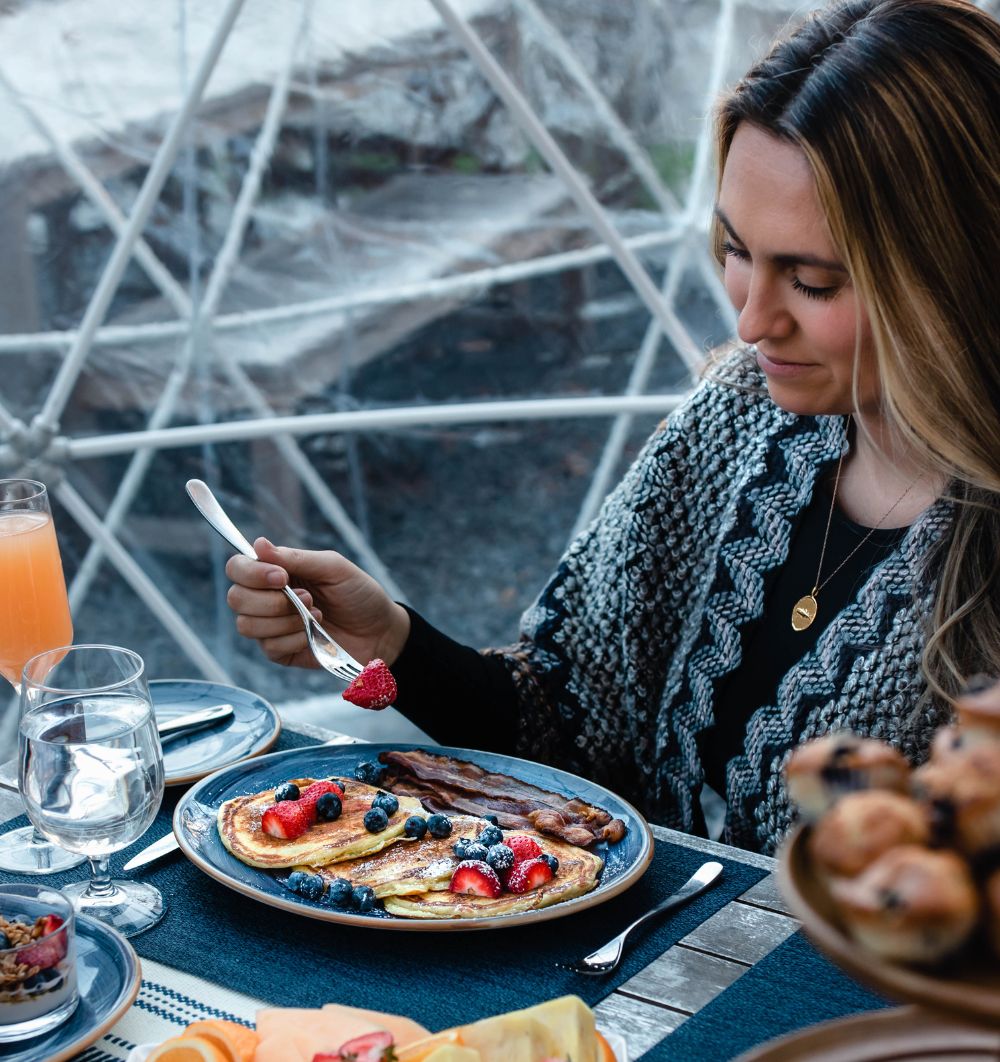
(444, 784)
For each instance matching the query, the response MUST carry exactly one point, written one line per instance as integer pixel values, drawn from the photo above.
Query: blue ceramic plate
(108, 977)
(195, 829)
(251, 730)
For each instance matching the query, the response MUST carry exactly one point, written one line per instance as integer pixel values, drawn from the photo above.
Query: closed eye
(814, 293)
(731, 249)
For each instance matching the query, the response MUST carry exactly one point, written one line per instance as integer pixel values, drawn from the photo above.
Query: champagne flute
(91, 770)
(34, 615)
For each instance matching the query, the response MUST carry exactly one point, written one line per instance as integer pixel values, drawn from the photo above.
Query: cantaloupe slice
(233, 1039)
(186, 1049)
(403, 1030)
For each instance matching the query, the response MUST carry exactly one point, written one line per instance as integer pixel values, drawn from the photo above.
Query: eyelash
(804, 289)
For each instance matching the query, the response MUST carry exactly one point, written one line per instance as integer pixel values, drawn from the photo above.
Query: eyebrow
(786, 259)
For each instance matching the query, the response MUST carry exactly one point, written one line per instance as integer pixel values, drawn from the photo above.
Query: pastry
(961, 791)
(979, 717)
(911, 904)
(861, 826)
(821, 771)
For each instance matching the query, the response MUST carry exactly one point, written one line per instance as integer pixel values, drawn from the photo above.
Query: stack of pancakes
(411, 877)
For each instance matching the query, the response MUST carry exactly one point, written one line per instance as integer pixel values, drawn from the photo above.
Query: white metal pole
(69, 371)
(460, 284)
(370, 420)
(546, 145)
(146, 590)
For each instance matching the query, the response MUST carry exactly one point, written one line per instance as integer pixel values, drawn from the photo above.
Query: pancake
(578, 873)
(325, 842)
(407, 867)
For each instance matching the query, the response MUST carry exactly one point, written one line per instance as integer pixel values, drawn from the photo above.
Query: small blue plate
(251, 730)
(108, 977)
(196, 831)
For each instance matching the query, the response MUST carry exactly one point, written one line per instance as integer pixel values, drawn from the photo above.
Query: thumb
(302, 564)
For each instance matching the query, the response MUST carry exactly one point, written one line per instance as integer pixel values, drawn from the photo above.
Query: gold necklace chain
(805, 609)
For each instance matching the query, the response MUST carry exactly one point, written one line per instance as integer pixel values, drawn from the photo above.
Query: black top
(461, 697)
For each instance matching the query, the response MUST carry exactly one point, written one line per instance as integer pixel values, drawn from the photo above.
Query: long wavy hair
(896, 106)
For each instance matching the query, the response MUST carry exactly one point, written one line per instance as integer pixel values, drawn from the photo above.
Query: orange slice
(604, 1052)
(186, 1049)
(235, 1041)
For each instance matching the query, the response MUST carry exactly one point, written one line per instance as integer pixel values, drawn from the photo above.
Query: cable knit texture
(621, 654)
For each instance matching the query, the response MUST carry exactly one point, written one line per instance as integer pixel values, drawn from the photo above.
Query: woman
(812, 540)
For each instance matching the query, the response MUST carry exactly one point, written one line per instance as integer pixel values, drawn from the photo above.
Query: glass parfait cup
(91, 770)
(38, 989)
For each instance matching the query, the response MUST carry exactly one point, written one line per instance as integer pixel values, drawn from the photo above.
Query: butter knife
(157, 850)
(202, 717)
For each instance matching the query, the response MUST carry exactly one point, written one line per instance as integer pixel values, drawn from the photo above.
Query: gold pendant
(804, 612)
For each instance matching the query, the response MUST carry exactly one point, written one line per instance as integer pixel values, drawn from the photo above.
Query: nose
(763, 315)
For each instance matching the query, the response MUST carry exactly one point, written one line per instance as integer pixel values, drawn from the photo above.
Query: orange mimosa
(34, 609)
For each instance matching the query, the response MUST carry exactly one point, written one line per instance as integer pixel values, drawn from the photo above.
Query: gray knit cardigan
(621, 654)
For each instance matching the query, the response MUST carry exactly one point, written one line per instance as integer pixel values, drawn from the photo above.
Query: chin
(807, 403)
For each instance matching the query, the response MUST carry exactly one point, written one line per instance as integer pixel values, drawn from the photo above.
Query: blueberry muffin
(821, 771)
(910, 905)
(961, 792)
(861, 826)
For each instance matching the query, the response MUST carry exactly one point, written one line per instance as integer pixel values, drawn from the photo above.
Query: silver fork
(327, 652)
(608, 956)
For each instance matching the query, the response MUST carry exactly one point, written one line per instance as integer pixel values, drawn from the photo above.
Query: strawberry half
(51, 947)
(475, 878)
(529, 875)
(288, 819)
(523, 847)
(374, 687)
(372, 1047)
(313, 792)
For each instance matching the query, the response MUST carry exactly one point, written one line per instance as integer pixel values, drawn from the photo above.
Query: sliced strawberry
(313, 792)
(476, 878)
(374, 687)
(372, 1047)
(529, 875)
(523, 847)
(50, 948)
(288, 819)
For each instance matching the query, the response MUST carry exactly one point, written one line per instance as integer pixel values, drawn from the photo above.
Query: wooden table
(650, 1005)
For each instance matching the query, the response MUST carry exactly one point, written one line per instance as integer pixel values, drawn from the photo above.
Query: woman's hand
(350, 604)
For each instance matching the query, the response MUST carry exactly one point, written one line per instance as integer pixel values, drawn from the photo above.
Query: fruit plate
(250, 731)
(967, 987)
(195, 829)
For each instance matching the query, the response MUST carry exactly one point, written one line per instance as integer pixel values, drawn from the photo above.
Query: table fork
(608, 956)
(327, 652)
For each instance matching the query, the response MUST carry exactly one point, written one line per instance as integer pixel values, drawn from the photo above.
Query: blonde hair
(896, 105)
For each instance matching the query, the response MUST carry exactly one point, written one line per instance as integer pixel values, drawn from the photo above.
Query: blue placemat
(438, 979)
(791, 988)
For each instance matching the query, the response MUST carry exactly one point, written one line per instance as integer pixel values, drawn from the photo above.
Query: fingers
(303, 565)
(256, 575)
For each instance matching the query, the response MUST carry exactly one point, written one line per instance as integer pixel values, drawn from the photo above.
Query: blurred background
(411, 279)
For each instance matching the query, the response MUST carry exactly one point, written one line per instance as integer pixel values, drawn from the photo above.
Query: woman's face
(795, 300)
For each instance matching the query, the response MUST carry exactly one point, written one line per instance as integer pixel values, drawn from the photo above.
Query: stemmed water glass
(34, 616)
(91, 770)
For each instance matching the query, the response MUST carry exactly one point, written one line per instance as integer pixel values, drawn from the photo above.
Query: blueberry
(475, 850)
(376, 820)
(551, 860)
(500, 857)
(328, 807)
(388, 803)
(287, 791)
(364, 898)
(490, 835)
(439, 826)
(311, 886)
(4, 940)
(493, 819)
(461, 846)
(368, 772)
(340, 892)
(415, 826)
